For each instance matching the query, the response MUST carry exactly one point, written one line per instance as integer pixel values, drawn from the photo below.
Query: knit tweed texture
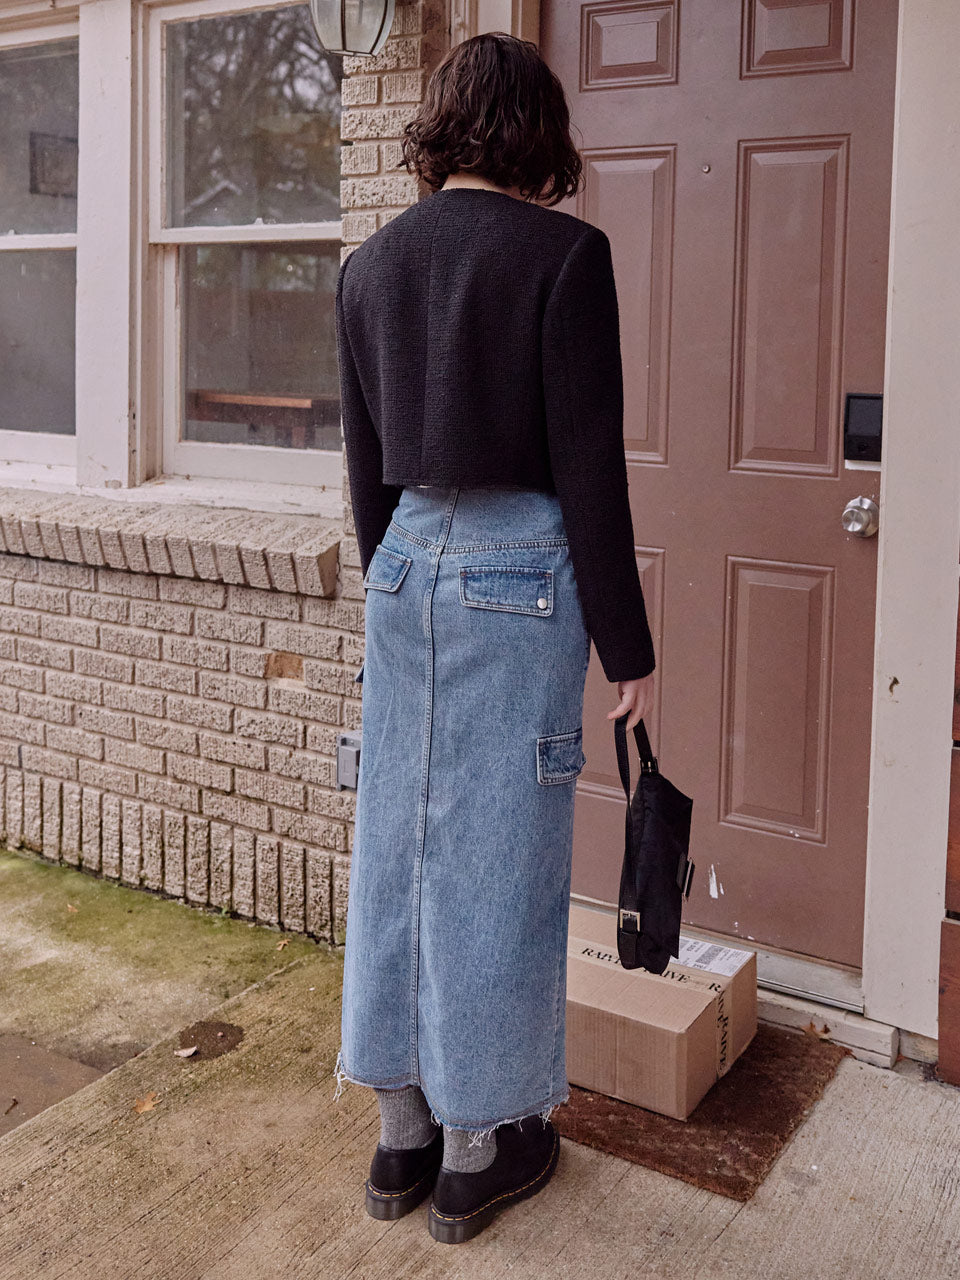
(478, 342)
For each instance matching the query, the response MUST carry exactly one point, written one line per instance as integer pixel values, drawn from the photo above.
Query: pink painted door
(738, 154)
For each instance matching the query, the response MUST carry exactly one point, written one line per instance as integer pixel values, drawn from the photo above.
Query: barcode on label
(711, 956)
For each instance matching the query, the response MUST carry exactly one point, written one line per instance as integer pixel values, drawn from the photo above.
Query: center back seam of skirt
(427, 620)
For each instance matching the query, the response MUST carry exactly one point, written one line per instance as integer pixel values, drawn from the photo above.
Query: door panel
(738, 154)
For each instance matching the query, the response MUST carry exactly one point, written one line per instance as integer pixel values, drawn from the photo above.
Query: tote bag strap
(648, 761)
(648, 764)
(628, 919)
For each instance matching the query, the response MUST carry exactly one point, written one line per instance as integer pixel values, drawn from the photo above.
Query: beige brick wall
(180, 735)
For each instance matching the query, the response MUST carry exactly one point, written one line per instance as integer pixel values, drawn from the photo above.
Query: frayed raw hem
(479, 1135)
(342, 1074)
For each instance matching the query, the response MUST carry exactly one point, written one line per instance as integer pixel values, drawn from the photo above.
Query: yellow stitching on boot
(462, 1217)
(392, 1195)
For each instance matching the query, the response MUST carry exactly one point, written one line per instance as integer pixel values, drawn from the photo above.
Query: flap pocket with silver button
(560, 756)
(515, 588)
(386, 569)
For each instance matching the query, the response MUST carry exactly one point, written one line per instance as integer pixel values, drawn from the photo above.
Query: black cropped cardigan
(478, 343)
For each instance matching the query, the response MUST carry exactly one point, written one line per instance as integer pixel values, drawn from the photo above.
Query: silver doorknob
(861, 516)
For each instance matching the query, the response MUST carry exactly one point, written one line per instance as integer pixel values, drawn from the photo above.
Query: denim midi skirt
(458, 903)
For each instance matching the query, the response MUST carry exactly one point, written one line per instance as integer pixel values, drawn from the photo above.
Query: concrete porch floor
(93, 972)
(246, 1167)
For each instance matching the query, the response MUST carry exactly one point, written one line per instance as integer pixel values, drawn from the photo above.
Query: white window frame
(126, 325)
(46, 448)
(163, 398)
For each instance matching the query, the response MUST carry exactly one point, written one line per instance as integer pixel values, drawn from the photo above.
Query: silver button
(541, 603)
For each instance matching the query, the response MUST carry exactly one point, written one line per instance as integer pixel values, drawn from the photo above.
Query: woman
(482, 411)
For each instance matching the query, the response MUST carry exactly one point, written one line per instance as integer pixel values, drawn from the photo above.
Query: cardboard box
(660, 1041)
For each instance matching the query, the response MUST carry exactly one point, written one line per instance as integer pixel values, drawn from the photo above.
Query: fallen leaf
(818, 1033)
(70, 907)
(185, 1053)
(284, 942)
(146, 1104)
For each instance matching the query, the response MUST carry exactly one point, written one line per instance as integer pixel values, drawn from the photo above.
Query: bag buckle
(634, 918)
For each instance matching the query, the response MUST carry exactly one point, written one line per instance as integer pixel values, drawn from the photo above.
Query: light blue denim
(459, 896)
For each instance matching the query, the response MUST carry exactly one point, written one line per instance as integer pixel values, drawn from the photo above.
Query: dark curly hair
(494, 108)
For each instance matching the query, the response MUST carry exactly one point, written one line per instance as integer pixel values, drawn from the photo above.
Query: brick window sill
(272, 551)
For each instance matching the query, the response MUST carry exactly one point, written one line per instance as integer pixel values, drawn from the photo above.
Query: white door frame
(919, 534)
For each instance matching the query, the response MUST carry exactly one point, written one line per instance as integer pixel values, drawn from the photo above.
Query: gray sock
(459, 1156)
(404, 1117)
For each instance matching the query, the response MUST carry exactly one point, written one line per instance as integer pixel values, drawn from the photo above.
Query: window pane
(37, 340)
(260, 356)
(38, 137)
(253, 121)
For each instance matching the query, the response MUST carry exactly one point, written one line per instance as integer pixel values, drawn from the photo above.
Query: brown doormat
(730, 1142)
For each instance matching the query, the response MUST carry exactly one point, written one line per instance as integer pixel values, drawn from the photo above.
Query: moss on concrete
(99, 971)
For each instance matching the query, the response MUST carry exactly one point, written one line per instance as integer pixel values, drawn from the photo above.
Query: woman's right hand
(636, 696)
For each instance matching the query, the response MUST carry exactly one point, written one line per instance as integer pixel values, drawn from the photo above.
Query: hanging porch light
(352, 26)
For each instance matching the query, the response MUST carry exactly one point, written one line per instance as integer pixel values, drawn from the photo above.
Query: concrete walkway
(245, 1167)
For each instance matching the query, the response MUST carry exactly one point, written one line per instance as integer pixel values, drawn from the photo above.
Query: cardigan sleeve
(371, 500)
(583, 397)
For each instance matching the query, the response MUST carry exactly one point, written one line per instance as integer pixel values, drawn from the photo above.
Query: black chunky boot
(401, 1178)
(463, 1203)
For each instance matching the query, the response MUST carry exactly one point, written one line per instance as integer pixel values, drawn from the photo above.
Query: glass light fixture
(352, 26)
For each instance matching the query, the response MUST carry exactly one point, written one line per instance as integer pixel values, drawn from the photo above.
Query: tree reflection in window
(253, 120)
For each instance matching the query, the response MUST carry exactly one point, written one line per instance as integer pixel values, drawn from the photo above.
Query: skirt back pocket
(386, 569)
(513, 588)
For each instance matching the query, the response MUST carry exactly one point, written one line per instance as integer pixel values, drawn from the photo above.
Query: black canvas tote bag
(657, 872)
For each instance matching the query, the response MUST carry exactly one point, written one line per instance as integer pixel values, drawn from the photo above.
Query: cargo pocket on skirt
(560, 756)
